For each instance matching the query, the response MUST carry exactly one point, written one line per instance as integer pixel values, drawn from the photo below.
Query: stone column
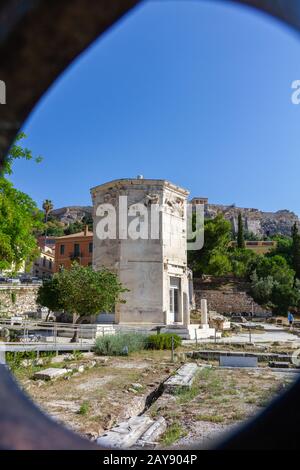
(204, 315)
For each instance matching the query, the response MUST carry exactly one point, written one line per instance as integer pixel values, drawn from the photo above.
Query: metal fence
(20, 334)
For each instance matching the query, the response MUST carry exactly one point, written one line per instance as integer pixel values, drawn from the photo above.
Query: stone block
(184, 377)
(126, 434)
(137, 386)
(238, 361)
(279, 365)
(50, 374)
(153, 432)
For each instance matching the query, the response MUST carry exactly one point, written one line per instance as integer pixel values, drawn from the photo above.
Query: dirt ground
(115, 389)
(96, 399)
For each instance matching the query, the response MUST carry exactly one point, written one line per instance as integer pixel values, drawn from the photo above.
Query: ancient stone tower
(146, 248)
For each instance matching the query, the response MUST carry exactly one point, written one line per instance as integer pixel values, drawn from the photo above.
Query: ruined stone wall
(18, 300)
(225, 295)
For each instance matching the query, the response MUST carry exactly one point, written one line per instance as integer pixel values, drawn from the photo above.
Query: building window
(76, 249)
(44, 261)
(91, 247)
(50, 264)
(62, 249)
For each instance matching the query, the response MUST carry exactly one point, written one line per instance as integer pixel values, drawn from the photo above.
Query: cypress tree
(296, 250)
(240, 234)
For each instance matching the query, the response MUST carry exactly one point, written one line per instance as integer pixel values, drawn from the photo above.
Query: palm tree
(47, 207)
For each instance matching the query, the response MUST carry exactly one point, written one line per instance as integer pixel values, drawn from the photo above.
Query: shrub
(120, 344)
(163, 341)
(84, 408)
(14, 359)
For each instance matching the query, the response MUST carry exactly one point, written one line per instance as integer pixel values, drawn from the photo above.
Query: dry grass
(96, 399)
(174, 432)
(100, 397)
(222, 397)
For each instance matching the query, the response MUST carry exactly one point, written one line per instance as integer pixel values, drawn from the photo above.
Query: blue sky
(196, 92)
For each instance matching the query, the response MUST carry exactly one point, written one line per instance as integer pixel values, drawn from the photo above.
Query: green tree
(273, 284)
(88, 220)
(47, 208)
(17, 152)
(243, 262)
(74, 227)
(285, 296)
(296, 250)
(48, 294)
(275, 266)
(240, 234)
(211, 258)
(219, 264)
(81, 291)
(262, 289)
(19, 216)
(283, 248)
(54, 228)
(19, 219)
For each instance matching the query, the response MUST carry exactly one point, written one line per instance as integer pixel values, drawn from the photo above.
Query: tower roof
(131, 182)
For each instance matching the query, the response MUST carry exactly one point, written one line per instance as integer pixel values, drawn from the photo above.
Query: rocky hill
(71, 214)
(255, 221)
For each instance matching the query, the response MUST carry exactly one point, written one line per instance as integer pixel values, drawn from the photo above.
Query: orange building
(76, 247)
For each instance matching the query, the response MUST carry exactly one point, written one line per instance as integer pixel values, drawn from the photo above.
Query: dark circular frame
(38, 40)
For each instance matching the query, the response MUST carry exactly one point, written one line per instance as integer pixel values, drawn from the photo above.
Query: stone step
(190, 332)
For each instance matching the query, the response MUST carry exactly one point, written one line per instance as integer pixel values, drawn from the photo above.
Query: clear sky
(195, 92)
